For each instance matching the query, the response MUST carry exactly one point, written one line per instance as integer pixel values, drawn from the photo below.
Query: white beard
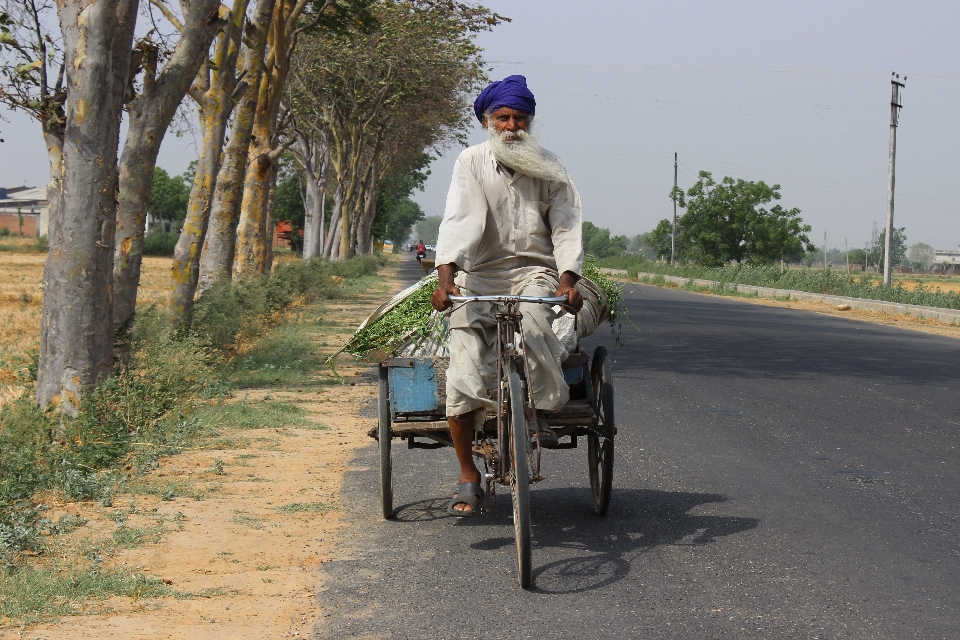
(521, 151)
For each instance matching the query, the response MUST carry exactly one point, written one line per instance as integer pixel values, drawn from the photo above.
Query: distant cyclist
(421, 251)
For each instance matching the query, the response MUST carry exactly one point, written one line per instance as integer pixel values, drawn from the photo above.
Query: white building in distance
(945, 257)
(24, 211)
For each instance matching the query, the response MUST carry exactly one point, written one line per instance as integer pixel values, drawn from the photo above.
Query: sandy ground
(902, 321)
(250, 553)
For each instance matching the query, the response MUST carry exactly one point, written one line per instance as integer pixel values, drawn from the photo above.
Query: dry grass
(20, 296)
(944, 283)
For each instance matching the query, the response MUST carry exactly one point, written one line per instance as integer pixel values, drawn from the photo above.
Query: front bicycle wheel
(519, 480)
(600, 440)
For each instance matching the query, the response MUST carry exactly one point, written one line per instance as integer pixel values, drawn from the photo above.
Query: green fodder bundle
(408, 325)
(405, 317)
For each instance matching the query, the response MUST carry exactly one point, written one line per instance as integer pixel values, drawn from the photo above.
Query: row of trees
(358, 91)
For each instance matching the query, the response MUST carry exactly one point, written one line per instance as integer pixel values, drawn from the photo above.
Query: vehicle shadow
(595, 552)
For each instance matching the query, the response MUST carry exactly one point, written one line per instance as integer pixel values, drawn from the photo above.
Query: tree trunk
(264, 245)
(53, 138)
(252, 208)
(364, 241)
(337, 233)
(76, 325)
(328, 251)
(314, 158)
(213, 91)
(216, 262)
(150, 114)
(186, 255)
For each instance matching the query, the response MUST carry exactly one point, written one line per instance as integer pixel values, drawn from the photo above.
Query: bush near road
(151, 408)
(826, 281)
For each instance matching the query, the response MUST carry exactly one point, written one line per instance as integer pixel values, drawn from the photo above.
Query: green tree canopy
(898, 248)
(729, 221)
(396, 212)
(857, 256)
(659, 239)
(427, 229)
(598, 242)
(168, 196)
(921, 255)
(289, 204)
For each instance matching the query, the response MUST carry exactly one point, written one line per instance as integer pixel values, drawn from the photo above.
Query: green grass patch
(36, 595)
(304, 507)
(247, 520)
(262, 414)
(824, 281)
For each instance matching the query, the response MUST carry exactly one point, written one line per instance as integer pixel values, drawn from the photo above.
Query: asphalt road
(779, 474)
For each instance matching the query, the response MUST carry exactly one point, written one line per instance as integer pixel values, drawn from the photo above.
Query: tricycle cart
(412, 401)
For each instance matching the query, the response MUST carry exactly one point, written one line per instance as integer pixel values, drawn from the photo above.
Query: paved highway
(779, 474)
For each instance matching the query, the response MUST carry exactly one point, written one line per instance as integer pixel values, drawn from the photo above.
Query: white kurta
(507, 234)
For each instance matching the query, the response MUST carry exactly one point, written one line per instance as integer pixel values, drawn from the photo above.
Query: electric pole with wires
(673, 231)
(895, 107)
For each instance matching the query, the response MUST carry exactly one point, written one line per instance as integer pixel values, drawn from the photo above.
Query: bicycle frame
(510, 358)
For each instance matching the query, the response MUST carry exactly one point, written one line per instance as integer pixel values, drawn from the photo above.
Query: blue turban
(510, 92)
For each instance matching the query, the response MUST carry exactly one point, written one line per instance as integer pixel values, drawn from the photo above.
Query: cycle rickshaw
(411, 408)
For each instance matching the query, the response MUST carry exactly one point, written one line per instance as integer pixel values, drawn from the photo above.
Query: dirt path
(263, 516)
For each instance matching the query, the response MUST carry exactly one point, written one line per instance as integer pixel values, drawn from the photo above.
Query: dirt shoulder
(902, 321)
(238, 528)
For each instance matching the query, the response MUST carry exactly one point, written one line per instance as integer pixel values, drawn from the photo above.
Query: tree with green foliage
(168, 196)
(729, 221)
(857, 256)
(396, 212)
(290, 202)
(659, 239)
(921, 255)
(641, 243)
(428, 229)
(898, 248)
(598, 242)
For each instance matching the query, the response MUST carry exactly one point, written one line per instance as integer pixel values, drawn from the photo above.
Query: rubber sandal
(468, 493)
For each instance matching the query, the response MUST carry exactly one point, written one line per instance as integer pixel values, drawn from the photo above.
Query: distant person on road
(421, 250)
(512, 226)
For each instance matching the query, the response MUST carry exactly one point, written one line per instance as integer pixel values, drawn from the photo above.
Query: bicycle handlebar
(561, 300)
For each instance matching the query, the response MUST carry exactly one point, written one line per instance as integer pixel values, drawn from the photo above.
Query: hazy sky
(794, 93)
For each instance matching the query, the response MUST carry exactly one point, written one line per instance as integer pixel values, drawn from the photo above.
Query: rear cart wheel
(600, 442)
(384, 435)
(520, 480)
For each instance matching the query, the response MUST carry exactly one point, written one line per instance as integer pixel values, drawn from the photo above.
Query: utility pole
(824, 249)
(673, 233)
(866, 256)
(895, 86)
(846, 250)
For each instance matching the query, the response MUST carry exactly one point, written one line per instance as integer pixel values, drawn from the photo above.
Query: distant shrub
(230, 312)
(159, 243)
(4, 232)
(825, 281)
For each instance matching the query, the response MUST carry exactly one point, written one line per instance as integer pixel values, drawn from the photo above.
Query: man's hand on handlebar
(441, 295)
(568, 281)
